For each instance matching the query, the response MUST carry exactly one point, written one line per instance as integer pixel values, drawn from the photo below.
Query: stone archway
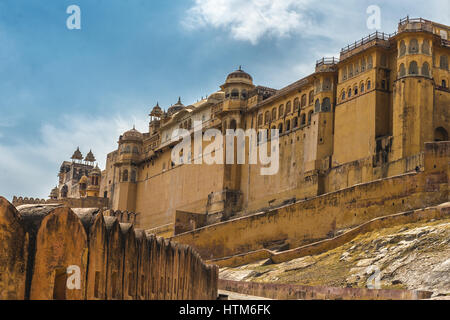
(440, 134)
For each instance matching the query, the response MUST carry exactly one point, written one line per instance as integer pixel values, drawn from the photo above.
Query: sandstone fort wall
(114, 260)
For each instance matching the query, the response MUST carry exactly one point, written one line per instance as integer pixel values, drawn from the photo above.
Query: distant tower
(90, 159)
(130, 149)
(54, 195)
(237, 87)
(155, 119)
(413, 92)
(94, 178)
(77, 156)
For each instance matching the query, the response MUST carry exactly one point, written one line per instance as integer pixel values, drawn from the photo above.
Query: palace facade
(356, 119)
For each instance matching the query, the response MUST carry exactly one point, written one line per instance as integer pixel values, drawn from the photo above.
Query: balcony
(415, 25)
(376, 38)
(327, 64)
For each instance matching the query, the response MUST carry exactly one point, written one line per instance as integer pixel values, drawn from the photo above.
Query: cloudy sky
(62, 88)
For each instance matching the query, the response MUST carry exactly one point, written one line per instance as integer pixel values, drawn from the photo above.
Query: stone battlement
(111, 260)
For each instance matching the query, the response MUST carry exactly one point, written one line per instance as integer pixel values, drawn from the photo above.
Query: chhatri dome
(90, 157)
(157, 111)
(77, 155)
(239, 76)
(176, 107)
(132, 135)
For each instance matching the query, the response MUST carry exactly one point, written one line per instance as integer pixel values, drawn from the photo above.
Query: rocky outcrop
(410, 256)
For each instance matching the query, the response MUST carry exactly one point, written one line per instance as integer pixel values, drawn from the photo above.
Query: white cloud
(30, 169)
(249, 20)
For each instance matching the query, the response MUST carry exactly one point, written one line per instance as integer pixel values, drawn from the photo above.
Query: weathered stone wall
(433, 213)
(297, 292)
(13, 253)
(321, 217)
(88, 202)
(115, 261)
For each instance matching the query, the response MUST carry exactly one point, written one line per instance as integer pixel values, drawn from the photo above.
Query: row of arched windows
(133, 176)
(414, 47)
(284, 110)
(322, 86)
(443, 62)
(364, 64)
(235, 94)
(186, 125)
(294, 123)
(128, 149)
(413, 69)
(356, 90)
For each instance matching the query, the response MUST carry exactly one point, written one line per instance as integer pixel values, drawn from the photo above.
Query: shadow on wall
(57, 254)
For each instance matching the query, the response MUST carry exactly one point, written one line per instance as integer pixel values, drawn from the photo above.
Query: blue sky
(62, 88)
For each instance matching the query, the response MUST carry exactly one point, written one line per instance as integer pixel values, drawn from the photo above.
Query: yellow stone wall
(376, 132)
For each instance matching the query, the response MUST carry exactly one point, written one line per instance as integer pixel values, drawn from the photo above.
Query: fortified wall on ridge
(41, 246)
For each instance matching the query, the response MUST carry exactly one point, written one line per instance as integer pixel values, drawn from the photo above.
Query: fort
(116, 262)
(363, 143)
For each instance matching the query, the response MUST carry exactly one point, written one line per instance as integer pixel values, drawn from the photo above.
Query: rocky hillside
(414, 256)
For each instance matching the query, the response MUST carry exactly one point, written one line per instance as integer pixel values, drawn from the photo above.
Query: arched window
(413, 46)
(64, 191)
(280, 128)
(311, 97)
(310, 117)
(344, 73)
(274, 113)
(281, 111)
(426, 69)
(443, 62)
(355, 90)
(244, 95)
(296, 105)
(127, 149)
(303, 122)
(356, 68)
(267, 117)
(288, 125)
(402, 70)
(260, 120)
(343, 95)
(369, 85)
(363, 65)
(413, 68)
(327, 84)
(234, 94)
(362, 87)
(402, 49)
(317, 85)
(317, 106)
(349, 92)
(350, 71)
(440, 134)
(383, 61)
(295, 122)
(369, 62)
(133, 176)
(125, 176)
(135, 150)
(288, 107)
(326, 105)
(426, 47)
(233, 124)
(303, 101)
(444, 83)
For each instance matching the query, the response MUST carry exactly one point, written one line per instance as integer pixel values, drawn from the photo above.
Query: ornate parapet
(18, 201)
